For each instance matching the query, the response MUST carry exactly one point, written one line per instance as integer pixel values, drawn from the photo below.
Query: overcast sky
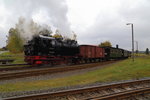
(93, 21)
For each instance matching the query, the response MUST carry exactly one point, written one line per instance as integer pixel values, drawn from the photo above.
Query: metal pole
(132, 43)
(132, 40)
(136, 46)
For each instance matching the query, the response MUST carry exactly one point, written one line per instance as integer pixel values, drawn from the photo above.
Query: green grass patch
(123, 70)
(140, 55)
(18, 57)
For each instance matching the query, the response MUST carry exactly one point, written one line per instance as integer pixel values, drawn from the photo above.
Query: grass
(18, 58)
(140, 55)
(120, 71)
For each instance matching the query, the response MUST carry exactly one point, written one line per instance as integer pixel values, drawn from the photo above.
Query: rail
(126, 93)
(43, 71)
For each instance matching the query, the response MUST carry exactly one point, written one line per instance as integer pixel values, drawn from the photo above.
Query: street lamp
(136, 46)
(132, 41)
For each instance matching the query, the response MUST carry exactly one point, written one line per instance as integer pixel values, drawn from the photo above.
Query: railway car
(91, 53)
(126, 54)
(113, 53)
(48, 50)
(116, 53)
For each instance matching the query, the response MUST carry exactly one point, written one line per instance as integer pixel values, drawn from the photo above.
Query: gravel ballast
(49, 90)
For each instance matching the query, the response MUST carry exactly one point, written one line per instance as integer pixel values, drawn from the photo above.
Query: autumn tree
(23, 32)
(147, 51)
(105, 44)
(15, 42)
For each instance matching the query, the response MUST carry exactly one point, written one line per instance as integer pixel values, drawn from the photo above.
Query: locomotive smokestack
(117, 46)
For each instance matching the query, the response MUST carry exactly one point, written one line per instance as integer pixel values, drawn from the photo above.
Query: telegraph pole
(132, 40)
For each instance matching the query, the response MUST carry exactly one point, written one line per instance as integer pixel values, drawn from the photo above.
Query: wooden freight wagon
(92, 53)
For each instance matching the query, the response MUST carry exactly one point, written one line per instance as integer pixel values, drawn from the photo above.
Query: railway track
(42, 71)
(8, 67)
(12, 64)
(11, 67)
(115, 91)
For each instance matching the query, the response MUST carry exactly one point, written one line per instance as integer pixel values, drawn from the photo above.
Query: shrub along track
(115, 91)
(43, 71)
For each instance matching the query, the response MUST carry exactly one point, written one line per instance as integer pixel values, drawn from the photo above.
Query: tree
(105, 44)
(136, 51)
(147, 51)
(15, 42)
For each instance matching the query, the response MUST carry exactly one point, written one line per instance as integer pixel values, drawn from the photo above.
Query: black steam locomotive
(43, 49)
(48, 46)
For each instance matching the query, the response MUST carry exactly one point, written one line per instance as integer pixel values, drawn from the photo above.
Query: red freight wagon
(100, 52)
(90, 51)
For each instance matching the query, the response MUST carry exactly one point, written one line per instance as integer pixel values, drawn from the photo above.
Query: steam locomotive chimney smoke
(117, 46)
(28, 28)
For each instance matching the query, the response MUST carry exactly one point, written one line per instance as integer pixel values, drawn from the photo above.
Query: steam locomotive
(48, 50)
